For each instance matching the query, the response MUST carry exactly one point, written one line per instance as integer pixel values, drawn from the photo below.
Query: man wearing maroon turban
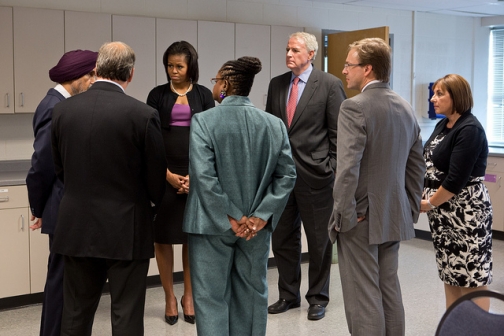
(74, 73)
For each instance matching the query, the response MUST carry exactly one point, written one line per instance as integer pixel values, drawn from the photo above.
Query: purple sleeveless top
(181, 115)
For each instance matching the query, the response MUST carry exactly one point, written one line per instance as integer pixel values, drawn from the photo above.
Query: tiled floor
(422, 294)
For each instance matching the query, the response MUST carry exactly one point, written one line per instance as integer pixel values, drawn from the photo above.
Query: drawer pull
(4, 199)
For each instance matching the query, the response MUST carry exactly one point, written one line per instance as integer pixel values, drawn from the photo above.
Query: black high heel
(188, 318)
(171, 320)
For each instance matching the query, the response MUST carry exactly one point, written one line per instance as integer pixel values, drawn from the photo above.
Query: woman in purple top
(176, 102)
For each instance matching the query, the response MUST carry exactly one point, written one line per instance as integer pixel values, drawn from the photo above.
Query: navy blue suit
(45, 191)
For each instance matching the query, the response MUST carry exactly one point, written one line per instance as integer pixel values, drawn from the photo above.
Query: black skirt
(170, 216)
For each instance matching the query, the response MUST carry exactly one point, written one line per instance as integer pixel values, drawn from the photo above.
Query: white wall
(426, 46)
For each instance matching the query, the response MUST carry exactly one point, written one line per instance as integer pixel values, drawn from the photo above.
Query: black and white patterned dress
(461, 229)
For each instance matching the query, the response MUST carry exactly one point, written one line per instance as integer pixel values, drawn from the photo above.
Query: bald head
(115, 61)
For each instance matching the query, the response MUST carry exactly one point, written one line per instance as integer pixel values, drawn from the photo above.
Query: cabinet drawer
(13, 197)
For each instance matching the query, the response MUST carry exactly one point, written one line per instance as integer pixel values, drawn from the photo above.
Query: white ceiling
(476, 8)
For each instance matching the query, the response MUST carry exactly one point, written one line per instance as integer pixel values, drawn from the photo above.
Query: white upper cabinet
(38, 46)
(87, 31)
(140, 34)
(167, 32)
(6, 62)
(254, 40)
(216, 41)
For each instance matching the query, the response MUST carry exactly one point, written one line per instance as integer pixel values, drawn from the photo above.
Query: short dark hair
(116, 61)
(240, 73)
(191, 58)
(459, 90)
(375, 52)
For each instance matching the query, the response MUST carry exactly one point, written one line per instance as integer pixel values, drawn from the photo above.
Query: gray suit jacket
(240, 165)
(313, 131)
(380, 167)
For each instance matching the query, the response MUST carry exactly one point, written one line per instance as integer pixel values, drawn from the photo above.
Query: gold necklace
(180, 94)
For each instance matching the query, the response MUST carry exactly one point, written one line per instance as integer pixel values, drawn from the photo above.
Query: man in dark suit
(379, 184)
(74, 73)
(108, 150)
(308, 101)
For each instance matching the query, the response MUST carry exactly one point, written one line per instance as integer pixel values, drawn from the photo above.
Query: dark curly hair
(240, 74)
(191, 58)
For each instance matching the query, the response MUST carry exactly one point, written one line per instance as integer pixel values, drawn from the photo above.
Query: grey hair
(115, 61)
(310, 41)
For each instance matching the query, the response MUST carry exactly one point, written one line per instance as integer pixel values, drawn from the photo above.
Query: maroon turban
(72, 65)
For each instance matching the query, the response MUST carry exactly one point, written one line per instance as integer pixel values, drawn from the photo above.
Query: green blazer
(240, 164)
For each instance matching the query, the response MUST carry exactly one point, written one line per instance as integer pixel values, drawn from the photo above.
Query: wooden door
(337, 50)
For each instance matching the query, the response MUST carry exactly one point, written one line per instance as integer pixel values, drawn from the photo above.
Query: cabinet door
(39, 252)
(167, 32)
(38, 46)
(140, 34)
(6, 62)
(87, 30)
(14, 259)
(260, 48)
(215, 47)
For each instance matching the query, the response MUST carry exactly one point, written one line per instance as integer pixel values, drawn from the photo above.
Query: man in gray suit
(308, 101)
(377, 192)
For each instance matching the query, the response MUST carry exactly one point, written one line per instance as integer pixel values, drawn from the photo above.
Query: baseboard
(152, 281)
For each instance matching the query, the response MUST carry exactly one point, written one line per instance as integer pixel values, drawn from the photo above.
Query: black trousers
(83, 284)
(52, 305)
(312, 207)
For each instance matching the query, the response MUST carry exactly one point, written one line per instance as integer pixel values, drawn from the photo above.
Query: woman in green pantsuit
(242, 173)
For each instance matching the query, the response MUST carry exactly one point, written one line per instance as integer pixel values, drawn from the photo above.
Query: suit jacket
(108, 150)
(240, 165)
(380, 166)
(313, 130)
(44, 189)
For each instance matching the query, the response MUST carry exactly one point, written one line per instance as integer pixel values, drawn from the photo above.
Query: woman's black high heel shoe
(171, 320)
(188, 318)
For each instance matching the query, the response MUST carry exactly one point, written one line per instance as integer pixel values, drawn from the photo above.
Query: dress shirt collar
(304, 76)
(62, 90)
(109, 81)
(372, 82)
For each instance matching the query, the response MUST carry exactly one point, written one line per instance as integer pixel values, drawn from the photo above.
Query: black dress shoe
(316, 312)
(282, 306)
(171, 320)
(188, 318)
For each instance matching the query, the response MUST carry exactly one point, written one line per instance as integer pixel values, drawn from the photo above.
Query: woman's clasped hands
(247, 227)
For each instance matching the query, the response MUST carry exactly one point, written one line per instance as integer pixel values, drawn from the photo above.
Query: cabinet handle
(4, 199)
(499, 182)
(21, 99)
(22, 223)
(7, 99)
(494, 164)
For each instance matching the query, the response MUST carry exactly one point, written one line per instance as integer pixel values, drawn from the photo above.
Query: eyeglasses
(347, 65)
(215, 80)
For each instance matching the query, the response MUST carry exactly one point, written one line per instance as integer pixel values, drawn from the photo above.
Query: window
(495, 117)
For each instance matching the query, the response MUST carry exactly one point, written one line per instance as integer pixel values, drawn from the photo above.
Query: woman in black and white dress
(455, 199)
